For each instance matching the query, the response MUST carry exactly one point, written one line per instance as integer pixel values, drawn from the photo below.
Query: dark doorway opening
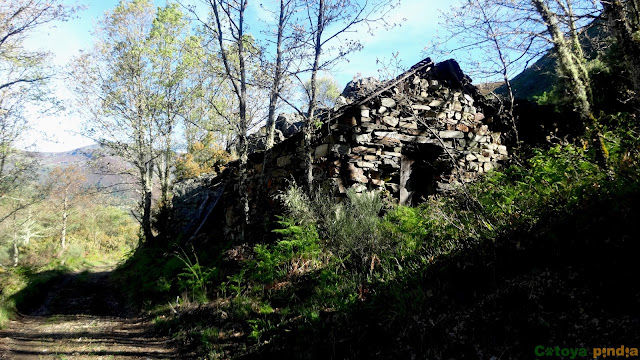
(418, 172)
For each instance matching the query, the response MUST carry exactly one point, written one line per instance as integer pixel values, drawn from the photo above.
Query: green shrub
(552, 181)
(150, 273)
(241, 307)
(298, 205)
(558, 177)
(298, 249)
(348, 228)
(352, 229)
(259, 326)
(335, 253)
(235, 283)
(194, 277)
(621, 135)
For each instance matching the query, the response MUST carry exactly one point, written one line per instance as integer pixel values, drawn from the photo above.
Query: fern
(194, 277)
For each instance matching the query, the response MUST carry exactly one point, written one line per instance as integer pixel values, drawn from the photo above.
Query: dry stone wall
(418, 134)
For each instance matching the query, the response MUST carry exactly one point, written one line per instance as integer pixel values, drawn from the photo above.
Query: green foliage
(194, 277)
(207, 338)
(300, 245)
(348, 228)
(604, 91)
(150, 274)
(344, 255)
(621, 135)
(5, 313)
(559, 176)
(327, 91)
(258, 327)
(352, 228)
(25, 75)
(96, 234)
(11, 282)
(418, 228)
(554, 97)
(608, 87)
(297, 204)
(234, 284)
(338, 255)
(552, 181)
(241, 306)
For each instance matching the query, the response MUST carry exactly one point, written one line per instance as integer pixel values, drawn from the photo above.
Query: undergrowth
(336, 255)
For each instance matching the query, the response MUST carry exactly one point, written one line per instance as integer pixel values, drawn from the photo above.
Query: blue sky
(65, 40)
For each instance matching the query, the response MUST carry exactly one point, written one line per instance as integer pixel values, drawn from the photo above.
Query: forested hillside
(236, 205)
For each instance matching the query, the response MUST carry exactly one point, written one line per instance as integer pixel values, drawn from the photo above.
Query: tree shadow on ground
(71, 293)
(79, 314)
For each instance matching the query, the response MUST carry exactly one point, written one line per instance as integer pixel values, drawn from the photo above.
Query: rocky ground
(82, 317)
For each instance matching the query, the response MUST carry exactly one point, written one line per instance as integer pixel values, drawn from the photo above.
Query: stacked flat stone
(423, 110)
(428, 117)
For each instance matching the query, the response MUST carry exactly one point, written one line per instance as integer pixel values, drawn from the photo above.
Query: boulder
(289, 124)
(359, 87)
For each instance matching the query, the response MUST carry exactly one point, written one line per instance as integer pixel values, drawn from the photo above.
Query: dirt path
(81, 317)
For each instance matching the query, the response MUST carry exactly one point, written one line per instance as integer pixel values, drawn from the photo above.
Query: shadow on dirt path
(81, 316)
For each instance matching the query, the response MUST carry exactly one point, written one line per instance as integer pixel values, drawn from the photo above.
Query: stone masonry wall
(413, 136)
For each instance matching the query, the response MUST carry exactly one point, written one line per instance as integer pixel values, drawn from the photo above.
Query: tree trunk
(575, 40)
(576, 49)
(16, 252)
(243, 148)
(241, 92)
(568, 67)
(309, 125)
(65, 214)
(166, 185)
(271, 118)
(277, 76)
(623, 25)
(165, 168)
(3, 158)
(510, 105)
(164, 175)
(147, 184)
(63, 232)
(242, 186)
(577, 79)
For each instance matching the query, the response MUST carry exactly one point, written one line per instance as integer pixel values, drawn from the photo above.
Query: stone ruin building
(412, 136)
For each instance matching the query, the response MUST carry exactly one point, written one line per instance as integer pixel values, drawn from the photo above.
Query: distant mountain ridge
(541, 76)
(79, 155)
(93, 162)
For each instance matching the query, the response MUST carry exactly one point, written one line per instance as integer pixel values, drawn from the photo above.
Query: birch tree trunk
(238, 80)
(16, 252)
(146, 176)
(277, 78)
(313, 101)
(577, 82)
(65, 215)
